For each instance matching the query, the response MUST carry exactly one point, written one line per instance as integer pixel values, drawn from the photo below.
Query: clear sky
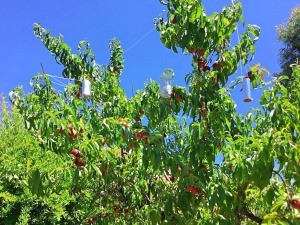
(131, 21)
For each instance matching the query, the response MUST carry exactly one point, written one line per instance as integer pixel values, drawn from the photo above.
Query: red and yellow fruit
(295, 204)
(192, 190)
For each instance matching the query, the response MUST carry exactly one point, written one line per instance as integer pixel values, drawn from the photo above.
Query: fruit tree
(183, 158)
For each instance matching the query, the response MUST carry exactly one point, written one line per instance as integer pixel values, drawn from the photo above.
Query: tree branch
(251, 216)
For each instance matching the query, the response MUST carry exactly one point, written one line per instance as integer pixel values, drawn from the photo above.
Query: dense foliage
(289, 34)
(189, 158)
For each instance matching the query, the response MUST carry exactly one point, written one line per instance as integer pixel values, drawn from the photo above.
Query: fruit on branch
(139, 136)
(249, 75)
(142, 111)
(172, 95)
(61, 131)
(91, 220)
(137, 118)
(295, 204)
(79, 163)
(76, 153)
(216, 65)
(201, 64)
(73, 133)
(206, 68)
(179, 98)
(192, 190)
(172, 179)
(145, 134)
(200, 53)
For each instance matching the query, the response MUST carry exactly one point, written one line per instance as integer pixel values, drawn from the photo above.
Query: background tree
(185, 157)
(289, 34)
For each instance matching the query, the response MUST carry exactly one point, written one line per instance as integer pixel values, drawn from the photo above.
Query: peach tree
(184, 158)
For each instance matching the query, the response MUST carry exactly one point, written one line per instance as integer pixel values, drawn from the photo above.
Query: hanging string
(72, 79)
(58, 84)
(139, 40)
(238, 39)
(61, 83)
(240, 62)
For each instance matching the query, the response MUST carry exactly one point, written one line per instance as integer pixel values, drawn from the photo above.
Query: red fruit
(179, 97)
(91, 220)
(79, 163)
(70, 127)
(172, 95)
(76, 153)
(117, 209)
(230, 167)
(61, 131)
(200, 53)
(139, 136)
(172, 179)
(192, 190)
(295, 204)
(215, 65)
(73, 133)
(249, 75)
(124, 136)
(142, 111)
(189, 188)
(201, 64)
(137, 118)
(206, 68)
(145, 134)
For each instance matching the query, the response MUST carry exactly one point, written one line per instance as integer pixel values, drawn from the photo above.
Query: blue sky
(99, 21)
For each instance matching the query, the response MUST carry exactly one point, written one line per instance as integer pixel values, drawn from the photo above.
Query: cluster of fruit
(79, 162)
(178, 96)
(73, 134)
(202, 63)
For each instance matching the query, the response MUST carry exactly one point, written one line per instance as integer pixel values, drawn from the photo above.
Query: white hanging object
(86, 89)
(11, 96)
(247, 90)
(166, 85)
